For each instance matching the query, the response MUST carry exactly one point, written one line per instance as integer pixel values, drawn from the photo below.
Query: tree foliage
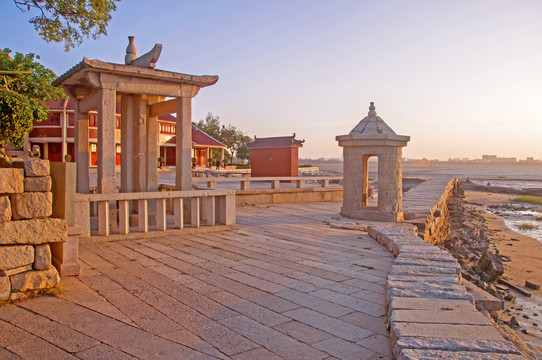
(25, 85)
(229, 135)
(69, 21)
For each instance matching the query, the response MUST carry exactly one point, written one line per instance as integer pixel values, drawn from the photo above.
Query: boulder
(5, 209)
(43, 257)
(35, 231)
(35, 184)
(5, 288)
(36, 167)
(31, 205)
(491, 266)
(34, 280)
(15, 256)
(11, 181)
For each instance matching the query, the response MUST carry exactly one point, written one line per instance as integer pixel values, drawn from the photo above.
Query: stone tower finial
(372, 112)
(131, 51)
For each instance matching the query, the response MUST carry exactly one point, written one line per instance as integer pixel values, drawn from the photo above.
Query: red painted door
(55, 152)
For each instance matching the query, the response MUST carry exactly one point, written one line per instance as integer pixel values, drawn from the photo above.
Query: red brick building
(55, 137)
(275, 156)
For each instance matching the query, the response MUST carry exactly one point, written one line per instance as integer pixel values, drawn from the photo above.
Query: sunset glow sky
(462, 78)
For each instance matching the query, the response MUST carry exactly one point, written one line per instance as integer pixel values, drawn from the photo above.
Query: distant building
(55, 136)
(275, 156)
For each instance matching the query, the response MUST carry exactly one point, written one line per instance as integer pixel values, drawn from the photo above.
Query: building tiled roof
(199, 137)
(272, 142)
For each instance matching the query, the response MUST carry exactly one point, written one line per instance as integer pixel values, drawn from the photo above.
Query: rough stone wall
(437, 224)
(26, 231)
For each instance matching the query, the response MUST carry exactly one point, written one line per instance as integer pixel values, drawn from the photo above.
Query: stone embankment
(430, 313)
(26, 230)
(426, 206)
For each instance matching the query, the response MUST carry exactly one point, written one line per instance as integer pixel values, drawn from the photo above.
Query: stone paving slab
(283, 286)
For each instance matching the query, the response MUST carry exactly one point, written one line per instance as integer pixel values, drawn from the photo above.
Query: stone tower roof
(372, 124)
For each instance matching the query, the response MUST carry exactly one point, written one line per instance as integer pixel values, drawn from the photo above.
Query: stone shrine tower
(372, 137)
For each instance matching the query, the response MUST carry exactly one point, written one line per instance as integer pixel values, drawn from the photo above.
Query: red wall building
(55, 136)
(275, 156)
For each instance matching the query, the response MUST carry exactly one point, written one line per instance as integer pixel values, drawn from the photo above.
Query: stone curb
(430, 313)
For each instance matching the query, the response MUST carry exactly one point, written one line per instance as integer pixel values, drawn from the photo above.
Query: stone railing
(26, 230)
(170, 210)
(275, 182)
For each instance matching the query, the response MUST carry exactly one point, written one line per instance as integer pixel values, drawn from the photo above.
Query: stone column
(352, 179)
(183, 141)
(64, 127)
(127, 140)
(106, 141)
(152, 148)
(365, 181)
(45, 151)
(81, 149)
(139, 175)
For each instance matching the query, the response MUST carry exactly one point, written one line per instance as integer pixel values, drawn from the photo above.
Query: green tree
(229, 135)
(243, 152)
(211, 125)
(68, 21)
(25, 85)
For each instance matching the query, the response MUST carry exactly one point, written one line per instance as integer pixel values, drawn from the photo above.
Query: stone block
(66, 254)
(5, 209)
(469, 317)
(32, 205)
(34, 280)
(16, 270)
(413, 354)
(37, 184)
(15, 256)
(5, 288)
(475, 346)
(42, 260)
(34, 232)
(443, 331)
(36, 167)
(11, 181)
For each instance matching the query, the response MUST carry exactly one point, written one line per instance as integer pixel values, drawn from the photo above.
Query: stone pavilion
(372, 137)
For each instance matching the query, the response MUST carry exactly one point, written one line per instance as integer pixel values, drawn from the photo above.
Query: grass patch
(538, 218)
(243, 234)
(93, 268)
(216, 247)
(184, 273)
(528, 226)
(187, 245)
(133, 259)
(530, 199)
(367, 248)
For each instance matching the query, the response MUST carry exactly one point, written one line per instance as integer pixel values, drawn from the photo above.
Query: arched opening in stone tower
(370, 179)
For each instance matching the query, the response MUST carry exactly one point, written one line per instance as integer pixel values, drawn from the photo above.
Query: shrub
(528, 226)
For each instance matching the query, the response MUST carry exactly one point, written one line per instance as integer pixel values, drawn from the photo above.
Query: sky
(462, 78)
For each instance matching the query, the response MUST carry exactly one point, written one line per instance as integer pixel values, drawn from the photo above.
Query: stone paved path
(284, 285)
